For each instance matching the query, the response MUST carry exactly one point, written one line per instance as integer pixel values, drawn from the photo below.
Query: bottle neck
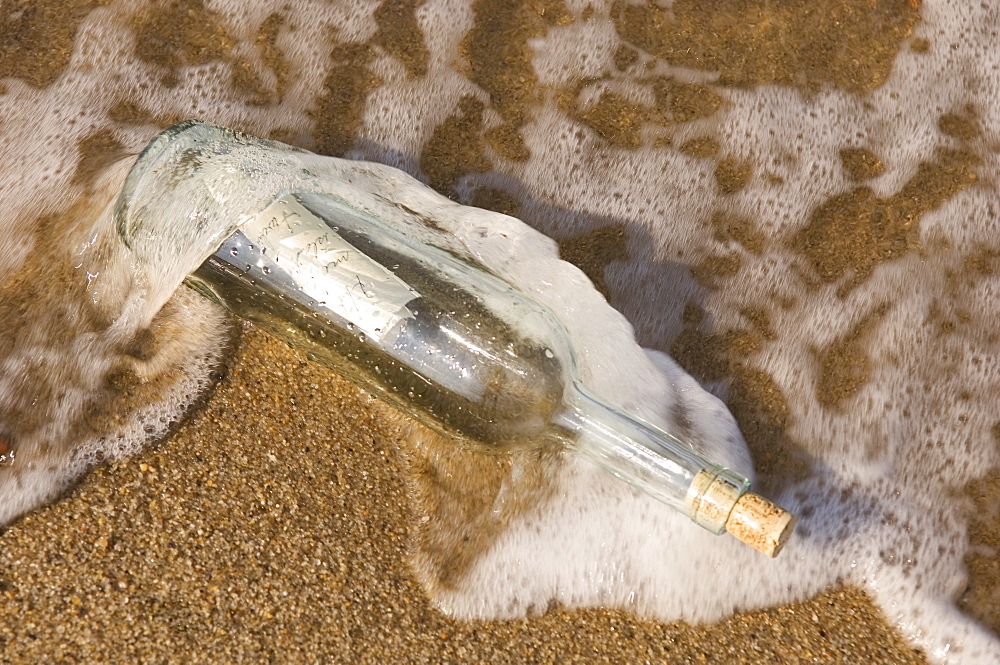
(652, 460)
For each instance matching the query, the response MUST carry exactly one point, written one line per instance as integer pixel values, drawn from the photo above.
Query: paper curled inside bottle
(328, 269)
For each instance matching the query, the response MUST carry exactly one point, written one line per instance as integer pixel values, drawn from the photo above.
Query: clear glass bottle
(385, 303)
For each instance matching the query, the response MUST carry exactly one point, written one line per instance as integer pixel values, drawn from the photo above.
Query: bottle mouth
(712, 495)
(718, 501)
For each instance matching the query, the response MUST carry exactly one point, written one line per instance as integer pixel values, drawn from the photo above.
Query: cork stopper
(719, 505)
(760, 524)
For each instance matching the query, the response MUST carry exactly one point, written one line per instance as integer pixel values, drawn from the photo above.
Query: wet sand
(274, 527)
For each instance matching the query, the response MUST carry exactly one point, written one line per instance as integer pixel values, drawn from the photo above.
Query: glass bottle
(388, 304)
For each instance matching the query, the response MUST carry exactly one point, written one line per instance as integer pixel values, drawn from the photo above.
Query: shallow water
(800, 209)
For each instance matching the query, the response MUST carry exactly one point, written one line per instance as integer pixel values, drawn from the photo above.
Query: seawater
(811, 234)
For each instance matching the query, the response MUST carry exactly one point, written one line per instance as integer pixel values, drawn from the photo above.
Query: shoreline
(275, 524)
